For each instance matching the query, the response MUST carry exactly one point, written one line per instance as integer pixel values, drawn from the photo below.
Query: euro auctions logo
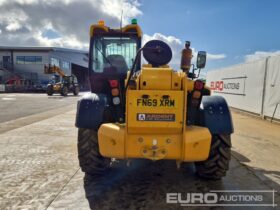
(217, 85)
(233, 85)
(221, 85)
(236, 198)
(192, 198)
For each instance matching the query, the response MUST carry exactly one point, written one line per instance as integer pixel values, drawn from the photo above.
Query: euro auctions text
(224, 198)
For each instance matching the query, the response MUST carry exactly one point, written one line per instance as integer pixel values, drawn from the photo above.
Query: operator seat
(119, 63)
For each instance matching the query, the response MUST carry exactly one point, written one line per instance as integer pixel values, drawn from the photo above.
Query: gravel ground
(39, 170)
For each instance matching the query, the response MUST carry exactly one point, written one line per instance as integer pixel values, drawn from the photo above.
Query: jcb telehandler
(68, 83)
(149, 111)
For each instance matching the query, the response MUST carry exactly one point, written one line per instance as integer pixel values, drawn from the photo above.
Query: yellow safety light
(101, 22)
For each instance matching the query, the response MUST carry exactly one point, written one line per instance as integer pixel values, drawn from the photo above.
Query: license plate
(156, 102)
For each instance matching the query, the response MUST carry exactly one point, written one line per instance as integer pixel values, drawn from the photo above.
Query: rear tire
(90, 159)
(49, 90)
(217, 164)
(64, 91)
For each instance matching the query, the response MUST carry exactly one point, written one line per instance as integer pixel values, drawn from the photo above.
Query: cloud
(215, 56)
(28, 23)
(260, 54)
(129, 9)
(176, 46)
(24, 22)
(13, 26)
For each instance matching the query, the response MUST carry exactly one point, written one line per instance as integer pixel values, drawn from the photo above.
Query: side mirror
(201, 59)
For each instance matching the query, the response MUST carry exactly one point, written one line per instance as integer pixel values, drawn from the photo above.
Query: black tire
(64, 91)
(76, 90)
(49, 90)
(217, 164)
(90, 159)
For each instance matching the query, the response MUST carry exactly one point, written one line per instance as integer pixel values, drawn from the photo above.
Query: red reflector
(113, 83)
(198, 85)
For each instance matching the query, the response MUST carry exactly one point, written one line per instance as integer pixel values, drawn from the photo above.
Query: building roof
(4, 48)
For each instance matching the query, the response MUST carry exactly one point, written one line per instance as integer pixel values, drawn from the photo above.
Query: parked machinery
(148, 111)
(68, 83)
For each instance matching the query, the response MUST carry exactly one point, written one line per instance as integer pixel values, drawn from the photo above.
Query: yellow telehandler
(149, 111)
(68, 83)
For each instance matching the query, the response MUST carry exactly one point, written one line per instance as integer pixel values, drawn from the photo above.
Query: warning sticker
(155, 117)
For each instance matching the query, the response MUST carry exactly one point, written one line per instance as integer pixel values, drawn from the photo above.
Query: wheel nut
(168, 141)
(140, 139)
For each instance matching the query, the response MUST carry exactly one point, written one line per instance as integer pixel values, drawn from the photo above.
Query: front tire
(64, 91)
(90, 159)
(217, 164)
(49, 90)
(76, 90)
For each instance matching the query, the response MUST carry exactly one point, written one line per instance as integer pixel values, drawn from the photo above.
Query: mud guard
(216, 115)
(90, 111)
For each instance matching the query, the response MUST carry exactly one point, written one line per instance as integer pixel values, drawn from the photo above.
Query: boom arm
(51, 69)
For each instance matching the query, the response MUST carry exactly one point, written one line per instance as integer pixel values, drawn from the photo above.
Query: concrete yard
(39, 166)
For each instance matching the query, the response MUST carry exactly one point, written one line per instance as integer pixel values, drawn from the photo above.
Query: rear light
(115, 92)
(114, 83)
(198, 85)
(116, 100)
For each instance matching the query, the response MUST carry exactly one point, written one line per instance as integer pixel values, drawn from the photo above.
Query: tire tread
(217, 164)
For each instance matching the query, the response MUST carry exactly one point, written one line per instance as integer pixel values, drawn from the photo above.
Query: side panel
(90, 111)
(216, 115)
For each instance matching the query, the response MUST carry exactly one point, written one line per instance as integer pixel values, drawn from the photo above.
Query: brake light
(114, 83)
(198, 85)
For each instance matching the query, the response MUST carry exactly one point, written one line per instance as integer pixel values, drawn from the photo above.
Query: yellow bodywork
(52, 69)
(155, 125)
(57, 87)
(104, 29)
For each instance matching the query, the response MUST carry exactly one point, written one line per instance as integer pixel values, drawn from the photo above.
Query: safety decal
(155, 117)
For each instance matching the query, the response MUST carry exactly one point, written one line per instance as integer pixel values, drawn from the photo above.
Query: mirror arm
(198, 72)
(193, 71)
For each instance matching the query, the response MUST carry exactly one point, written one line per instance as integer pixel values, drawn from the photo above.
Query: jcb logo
(218, 85)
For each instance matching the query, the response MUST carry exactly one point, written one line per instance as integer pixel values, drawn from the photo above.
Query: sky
(230, 31)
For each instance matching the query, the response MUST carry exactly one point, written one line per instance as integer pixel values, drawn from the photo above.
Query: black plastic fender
(90, 110)
(216, 115)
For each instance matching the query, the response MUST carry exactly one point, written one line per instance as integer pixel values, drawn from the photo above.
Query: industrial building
(27, 64)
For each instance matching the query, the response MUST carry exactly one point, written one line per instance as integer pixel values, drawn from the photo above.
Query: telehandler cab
(148, 111)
